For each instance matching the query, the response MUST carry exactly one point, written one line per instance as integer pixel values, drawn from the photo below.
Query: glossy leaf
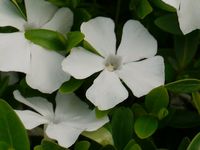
(171, 26)
(48, 145)
(157, 99)
(108, 147)
(141, 7)
(82, 145)
(73, 39)
(196, 100)
(184, 86)
(71, 85)
(11, 129)
(122, 127)
(132, 145)
(184, 143)
(163, 5)
(48, 39)
(145, 126)
(195, 143)
(101, 136)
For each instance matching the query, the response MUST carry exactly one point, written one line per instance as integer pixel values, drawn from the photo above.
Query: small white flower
(126, 63)
(188, 14)
(42, 67)
(70, 119)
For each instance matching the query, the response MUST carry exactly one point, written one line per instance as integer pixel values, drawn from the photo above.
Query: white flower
(188, 14)
(71, 117)
(42, 67)
(127, 63)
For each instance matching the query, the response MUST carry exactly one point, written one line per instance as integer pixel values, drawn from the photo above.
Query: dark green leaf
(186, 47)
(48, 39)
(73, 39)
(67, 3)
(141, 7)
(132, 145)
(71, 85)
(196, 100)
(19, 9)
(108, 147)
(157, 99)
(144, 9)
(171, 26)
(122, 127)
(80, 15)
(12, 131)
(184, 143)
(145, 126)
(163, 5)
(82, 145)
(48, 145)
(138, 110)
(195, 143)
(184, 86)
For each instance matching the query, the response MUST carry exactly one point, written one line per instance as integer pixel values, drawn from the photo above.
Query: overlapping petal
(69, 106)
(45, 73)
(143, 76)
(99, 32)
(9, 15)
(137, 43)
(61, 21)
(188, 15)
(82, 63)
(39, 104)
(106, 91)
(31, 119)
(14, 53)
(39, 12)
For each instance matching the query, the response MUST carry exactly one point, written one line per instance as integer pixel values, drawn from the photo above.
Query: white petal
(99, 32)
(61, 21)
(137, 43)
(106, 91)
(39, 12)
(173, 3)
(39, 104)
(14, 52)
(69, 106)
(188, 15)
(70, 109)
(13, 77)
(81, 63)
(9, 16)
(141, 77)
(65, 135)
(31, 119)
(46, 73)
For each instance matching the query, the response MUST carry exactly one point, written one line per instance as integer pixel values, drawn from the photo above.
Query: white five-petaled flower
(134, 62)
(188, 14)
(42, 67)
(70, 119)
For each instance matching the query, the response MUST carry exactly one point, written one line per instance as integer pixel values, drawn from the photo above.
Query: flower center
(29, 26)
(113, 62)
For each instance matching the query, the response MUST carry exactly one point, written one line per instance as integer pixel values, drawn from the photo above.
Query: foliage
(168, 117)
